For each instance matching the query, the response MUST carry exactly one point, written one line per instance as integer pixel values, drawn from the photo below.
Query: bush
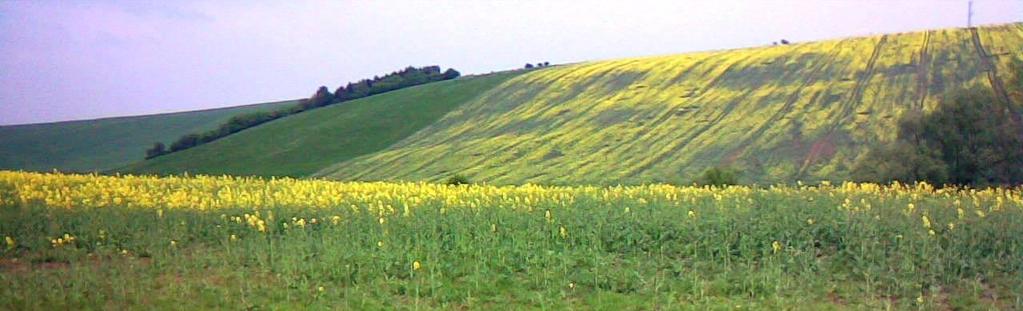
(458, 180)
(718, 176)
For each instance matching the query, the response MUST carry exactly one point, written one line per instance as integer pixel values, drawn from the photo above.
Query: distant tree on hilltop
(451, 73)
(321, 98)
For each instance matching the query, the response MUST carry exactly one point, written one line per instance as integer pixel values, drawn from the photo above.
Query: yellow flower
(548, 215)
(809, 221)
(776, 246)
(692, 214)
(173, 243)
(416, 265)
(335, 220)
(321, 289)
(927, 222)
(563, 232)
(234, 238)
(11, 243)
(951, 226)
(380, 243)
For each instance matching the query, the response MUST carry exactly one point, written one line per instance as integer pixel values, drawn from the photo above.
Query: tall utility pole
(969, 15)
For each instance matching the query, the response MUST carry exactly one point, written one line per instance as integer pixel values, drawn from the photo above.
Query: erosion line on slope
(685, 142)
(455, 139)
(406, 142)
(992, 70)
(812, 77)
(790, 102)
(922, 70)
(605, 152)
(558, 125)
(854, 100)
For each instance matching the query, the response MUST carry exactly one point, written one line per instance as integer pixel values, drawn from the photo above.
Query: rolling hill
(784, 113)
(103, 144)
(301, 144)
(806, 111)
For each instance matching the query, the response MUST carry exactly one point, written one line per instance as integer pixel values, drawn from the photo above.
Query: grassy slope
(800, 112)
(102, 144)
(304, 143)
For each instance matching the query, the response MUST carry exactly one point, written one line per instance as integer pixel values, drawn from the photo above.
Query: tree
(158, 149)
(901, 162)
(451, 73)
(321, 98)
(971, 138)
(185, 142)
(529, 66)
(784, 42)
(545, 64)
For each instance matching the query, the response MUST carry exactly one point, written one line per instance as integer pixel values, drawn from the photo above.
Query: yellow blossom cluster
(384, 200)
(66, 240)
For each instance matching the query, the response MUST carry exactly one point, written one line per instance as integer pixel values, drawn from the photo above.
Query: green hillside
(799, 112)
(301, 144)
(103, 144)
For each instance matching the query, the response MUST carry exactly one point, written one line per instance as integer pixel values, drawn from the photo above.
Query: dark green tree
(971, 138)
(158, 149)
(451, 73)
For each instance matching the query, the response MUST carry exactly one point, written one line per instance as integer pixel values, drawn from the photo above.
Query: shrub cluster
(972, 138)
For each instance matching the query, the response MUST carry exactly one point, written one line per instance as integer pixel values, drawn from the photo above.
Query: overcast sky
(65, 60)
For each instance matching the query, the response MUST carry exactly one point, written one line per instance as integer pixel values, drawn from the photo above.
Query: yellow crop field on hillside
(783, 113)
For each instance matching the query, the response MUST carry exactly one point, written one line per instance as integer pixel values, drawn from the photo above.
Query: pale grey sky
(64, 60)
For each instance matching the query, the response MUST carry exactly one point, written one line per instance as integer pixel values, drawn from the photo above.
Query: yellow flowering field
(237, 242)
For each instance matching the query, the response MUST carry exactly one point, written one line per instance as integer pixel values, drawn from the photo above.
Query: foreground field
(182, 243)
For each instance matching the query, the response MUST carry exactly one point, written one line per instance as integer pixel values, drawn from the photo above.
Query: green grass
(304, 143)
(778, 114)
(103, 144)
